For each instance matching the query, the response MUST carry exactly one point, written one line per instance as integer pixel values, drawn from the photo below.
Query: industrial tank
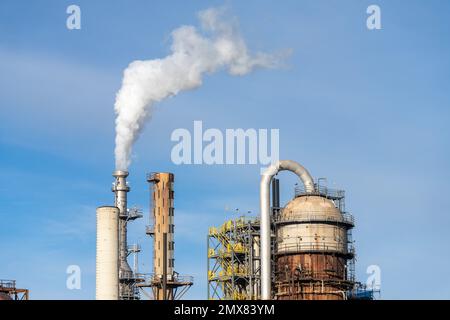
(312, 249)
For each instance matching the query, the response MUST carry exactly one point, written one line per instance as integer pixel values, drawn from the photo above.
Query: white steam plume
(193, 53)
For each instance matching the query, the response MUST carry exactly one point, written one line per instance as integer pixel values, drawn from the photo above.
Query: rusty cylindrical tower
(312, 248)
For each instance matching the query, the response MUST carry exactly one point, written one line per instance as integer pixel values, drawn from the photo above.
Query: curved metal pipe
(267, 176)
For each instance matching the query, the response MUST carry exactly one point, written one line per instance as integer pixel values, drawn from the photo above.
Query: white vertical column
(107, 259)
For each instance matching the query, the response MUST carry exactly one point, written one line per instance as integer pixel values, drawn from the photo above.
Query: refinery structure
(9, 291)
(115, 278)
(302, 251)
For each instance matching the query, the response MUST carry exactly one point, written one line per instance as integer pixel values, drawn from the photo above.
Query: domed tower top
(310, 206)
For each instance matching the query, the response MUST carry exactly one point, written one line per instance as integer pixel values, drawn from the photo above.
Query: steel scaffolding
(233, 260)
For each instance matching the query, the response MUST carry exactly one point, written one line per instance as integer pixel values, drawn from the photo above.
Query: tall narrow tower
(126, 277)
(165, 281)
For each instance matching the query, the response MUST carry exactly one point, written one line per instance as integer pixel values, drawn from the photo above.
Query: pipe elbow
(294, 167)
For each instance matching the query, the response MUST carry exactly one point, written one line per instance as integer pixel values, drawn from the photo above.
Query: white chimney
(107, 260)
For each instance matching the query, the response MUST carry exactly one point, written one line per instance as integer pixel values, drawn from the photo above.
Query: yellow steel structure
(233, 260)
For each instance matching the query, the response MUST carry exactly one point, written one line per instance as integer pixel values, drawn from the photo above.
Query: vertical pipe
(274, 182)
(233, 284)
(265, 237)
(252, 270)
(165, 266)
(207, 267)
(136, 261)
(120, 190)
(275, 193)
(305, 177)
(257, 267)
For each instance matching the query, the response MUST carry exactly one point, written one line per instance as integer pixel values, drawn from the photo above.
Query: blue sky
(369, 110)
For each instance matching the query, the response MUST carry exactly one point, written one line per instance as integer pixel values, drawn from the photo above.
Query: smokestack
(308, 181)
(120, 189)
(162, 213)
(107, 258)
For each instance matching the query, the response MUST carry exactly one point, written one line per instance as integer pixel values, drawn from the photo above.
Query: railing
(134, 213)
(151, 277)
(307, 273)
(345, 248)
(9, 284)
(322, 191)
(152, 177)
(231, 225)
(362, 292)
(150, 229)
(134, 248)
(128, 275)
(315, 216)
(184, 278)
